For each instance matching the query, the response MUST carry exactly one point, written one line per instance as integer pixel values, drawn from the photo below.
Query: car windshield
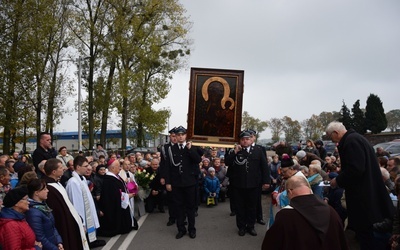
(384, 145)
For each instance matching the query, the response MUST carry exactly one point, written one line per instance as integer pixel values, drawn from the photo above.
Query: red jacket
(15, 232)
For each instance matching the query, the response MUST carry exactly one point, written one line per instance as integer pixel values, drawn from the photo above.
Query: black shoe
(135, 227)
(162, 210)
(232, 214)
(170, 223)
(261, 222)
(192, 235)
(242, 232)
(252, 232)
(180, 235)
(97, 243)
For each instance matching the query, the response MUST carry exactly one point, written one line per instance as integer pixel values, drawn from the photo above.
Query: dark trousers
(365, 237)
(154, 201)
(171, 207)
(231, 199)
(245, 203)
(185, 201)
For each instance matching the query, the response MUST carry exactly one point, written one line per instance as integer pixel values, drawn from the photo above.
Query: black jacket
(182, 167)
(247, 169)
(367, 199)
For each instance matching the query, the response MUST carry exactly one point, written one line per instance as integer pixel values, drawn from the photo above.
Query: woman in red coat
(15, 232)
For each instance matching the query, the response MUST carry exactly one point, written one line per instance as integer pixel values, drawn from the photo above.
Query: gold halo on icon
(225, 98)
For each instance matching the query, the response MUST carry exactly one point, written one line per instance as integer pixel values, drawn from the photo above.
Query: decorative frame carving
(215, 106)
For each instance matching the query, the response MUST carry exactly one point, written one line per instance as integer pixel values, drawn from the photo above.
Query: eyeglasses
(330, 134)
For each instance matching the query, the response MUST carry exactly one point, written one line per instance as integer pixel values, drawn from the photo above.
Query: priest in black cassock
(115, 219)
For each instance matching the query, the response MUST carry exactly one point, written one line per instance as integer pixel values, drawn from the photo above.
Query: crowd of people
(66, 202)
(356, 182)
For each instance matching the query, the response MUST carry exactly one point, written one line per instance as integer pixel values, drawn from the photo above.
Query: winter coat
(41, 220)
(15, 232)
(360, 176)
(314, 181)
(211, 185)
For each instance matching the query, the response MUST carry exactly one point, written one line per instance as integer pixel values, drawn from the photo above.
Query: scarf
(90, 227)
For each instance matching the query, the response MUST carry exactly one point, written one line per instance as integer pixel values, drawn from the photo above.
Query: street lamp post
(79, 106)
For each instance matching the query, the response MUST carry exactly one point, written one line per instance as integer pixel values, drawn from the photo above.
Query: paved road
(215, 229)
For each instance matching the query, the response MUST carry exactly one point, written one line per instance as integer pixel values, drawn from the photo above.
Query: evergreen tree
(375, 118)
(345, 116)
(358, 118)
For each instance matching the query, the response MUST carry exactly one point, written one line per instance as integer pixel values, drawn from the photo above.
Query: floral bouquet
(143, 178)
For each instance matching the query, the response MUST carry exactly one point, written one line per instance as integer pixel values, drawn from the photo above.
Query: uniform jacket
(248, 169)
(182, 169)
(42, 223)
(360, 176)
(164, 159)
(15, 232)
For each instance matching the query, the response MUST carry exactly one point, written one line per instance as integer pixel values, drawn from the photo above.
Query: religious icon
(215, 105)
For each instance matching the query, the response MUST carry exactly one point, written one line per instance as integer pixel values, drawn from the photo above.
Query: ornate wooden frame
(215, 106)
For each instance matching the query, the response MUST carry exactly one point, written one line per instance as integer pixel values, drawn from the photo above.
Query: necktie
(180, 146)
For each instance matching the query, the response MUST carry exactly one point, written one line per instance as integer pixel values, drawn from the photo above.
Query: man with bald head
(115, 219)
(158, 194)
(307, 223)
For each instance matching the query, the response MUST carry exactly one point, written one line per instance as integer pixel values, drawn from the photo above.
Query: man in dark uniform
(181, 172)
(247, 169)
(162, 168)
(259, 213)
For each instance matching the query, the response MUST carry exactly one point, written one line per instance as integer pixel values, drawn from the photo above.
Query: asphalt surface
(216, 229)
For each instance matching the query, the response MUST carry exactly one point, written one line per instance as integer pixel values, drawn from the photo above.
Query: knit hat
(206, 159)
(143, 163)
(14, 196)
(99, 167)
(286, 161)
(211, 169)
(301, 154)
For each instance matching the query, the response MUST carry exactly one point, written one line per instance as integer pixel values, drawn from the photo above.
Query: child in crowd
(211, 186)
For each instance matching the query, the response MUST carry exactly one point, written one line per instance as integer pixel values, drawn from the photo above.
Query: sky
(299, 57)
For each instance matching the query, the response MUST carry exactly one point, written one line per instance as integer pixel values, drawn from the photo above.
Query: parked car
(329, 147)
(392, 147)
